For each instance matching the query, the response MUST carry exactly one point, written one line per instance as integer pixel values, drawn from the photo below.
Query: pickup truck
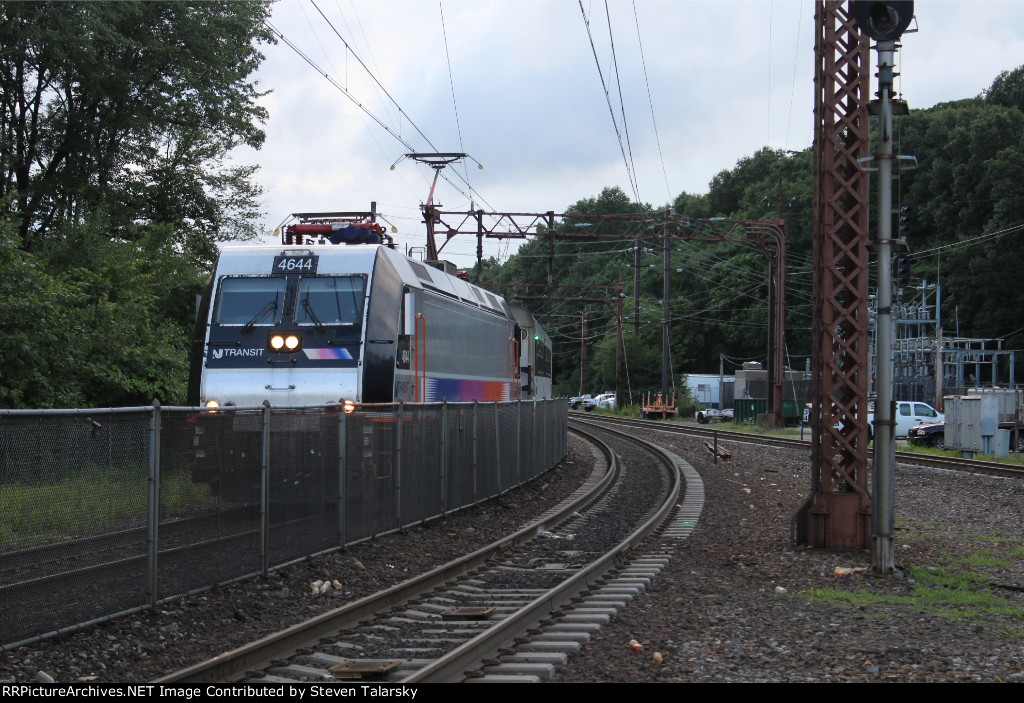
(908, 414)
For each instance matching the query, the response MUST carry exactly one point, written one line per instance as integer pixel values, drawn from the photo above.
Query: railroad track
(508, 612)
(991, 468)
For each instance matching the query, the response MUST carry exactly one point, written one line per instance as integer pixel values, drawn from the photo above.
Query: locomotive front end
(283, 329)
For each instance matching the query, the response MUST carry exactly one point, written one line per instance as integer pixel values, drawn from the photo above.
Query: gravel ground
(734, 604)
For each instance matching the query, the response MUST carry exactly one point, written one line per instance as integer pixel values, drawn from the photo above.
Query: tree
(129, 109)
(1007, 89)
(110, 326)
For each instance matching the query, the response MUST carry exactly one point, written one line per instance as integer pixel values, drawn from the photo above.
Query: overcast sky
(724, 79)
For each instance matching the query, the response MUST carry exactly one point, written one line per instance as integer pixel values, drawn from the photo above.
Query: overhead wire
(608, 100)
(386, 105)
(650, 101)
(953, 246)
(455, 105)
(372, 76)
(362, 107)
(622, 104)
(796, 54)
(771, 8)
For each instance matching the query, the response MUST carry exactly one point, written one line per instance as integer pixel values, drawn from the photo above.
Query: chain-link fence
(103, 512)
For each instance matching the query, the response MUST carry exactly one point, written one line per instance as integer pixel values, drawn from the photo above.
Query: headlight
(284, 342)
(349, 406)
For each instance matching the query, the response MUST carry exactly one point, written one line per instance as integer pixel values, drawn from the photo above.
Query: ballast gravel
(737, 601)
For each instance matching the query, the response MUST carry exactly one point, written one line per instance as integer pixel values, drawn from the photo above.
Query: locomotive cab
(281, 328)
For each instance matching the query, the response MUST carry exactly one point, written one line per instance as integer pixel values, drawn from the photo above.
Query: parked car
(576, 402)
(934, 435)
(931, 434)
(707, 415)
(605, 400)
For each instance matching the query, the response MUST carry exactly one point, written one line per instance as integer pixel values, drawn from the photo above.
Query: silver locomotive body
(317, 325)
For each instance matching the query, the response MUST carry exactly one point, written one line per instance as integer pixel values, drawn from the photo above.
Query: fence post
(341, 478)
(538, 447)
(497, 448)
(475, 404)
(265, 493)
(444, 456)
(519, 441)
(399, 431)
(153, 521)
(545, 462)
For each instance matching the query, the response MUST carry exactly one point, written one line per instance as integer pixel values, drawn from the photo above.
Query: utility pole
(618, 340)
(636, 289)
(884, 22)
(583, 355)
(882, 518)
(721, 382)
(665, 292)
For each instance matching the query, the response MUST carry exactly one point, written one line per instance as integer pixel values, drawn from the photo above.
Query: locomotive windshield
(330, 300)
(250, 301)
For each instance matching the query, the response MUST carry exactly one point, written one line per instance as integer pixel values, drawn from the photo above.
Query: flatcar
(335, 315)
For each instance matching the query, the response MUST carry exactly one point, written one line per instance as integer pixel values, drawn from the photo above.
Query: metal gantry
(837, 512)
(768, 236)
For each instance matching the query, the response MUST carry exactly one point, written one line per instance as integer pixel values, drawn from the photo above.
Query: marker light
(349, 406)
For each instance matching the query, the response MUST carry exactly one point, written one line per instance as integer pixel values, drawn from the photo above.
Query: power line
(362, 107)
(608, 99)
(451, 82)
(969, 242)
(622, 104)
(650, 100)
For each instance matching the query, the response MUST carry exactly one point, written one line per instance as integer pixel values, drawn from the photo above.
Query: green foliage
(717, 301)
(116, 121)
(1007, 89)
(968, 198)
(130, 108)
(937, 591)
(94, 322)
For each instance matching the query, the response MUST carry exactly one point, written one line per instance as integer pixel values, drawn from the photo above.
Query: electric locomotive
(335, 315)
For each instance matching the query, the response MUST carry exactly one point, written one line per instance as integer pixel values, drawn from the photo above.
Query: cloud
(725, 79)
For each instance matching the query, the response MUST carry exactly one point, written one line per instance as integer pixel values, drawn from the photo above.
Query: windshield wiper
(312, 315)
(264, 311)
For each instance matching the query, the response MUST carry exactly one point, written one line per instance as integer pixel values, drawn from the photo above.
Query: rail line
(508, 612)
(991, 468)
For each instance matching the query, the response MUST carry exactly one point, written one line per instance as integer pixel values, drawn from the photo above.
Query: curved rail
(233, 665)
(451, 666)
(992, 468)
